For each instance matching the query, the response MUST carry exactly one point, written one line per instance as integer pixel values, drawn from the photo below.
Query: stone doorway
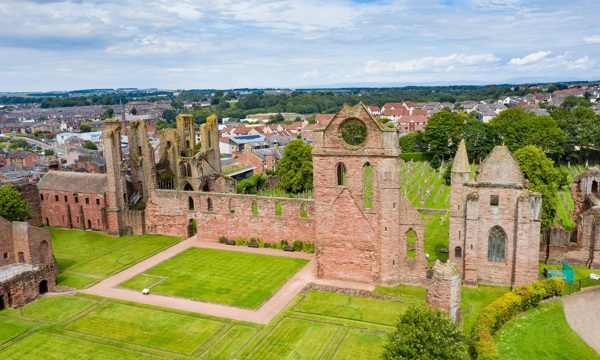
(43, 287)
(192, 228)
(594, 186)
(2, 306)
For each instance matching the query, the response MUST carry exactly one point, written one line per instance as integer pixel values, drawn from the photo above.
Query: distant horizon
(316, 87)
(56, 45)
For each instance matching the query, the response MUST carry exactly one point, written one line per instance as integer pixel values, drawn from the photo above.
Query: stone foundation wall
(444, 290)
(25, 287)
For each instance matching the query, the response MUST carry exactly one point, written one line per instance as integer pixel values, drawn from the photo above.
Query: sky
(222, 44)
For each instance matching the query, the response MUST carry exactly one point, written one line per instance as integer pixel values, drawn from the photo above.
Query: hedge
(498, 313)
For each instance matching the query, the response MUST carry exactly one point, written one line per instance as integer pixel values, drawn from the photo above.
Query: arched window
(231, 206)
(341, 174)
(303, 211)
(190, 203)
(367, 185)
(458, 252)
(411, 243)
(278, 209)
(209, 204)
(594, 186)
(496, 244)
(188, 187)
(254, 208)
(192, 228)
(186, 169)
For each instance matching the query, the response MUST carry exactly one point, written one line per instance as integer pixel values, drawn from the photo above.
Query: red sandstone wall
(30, 193)
(168, 213)
(71, 214)
(6, 243)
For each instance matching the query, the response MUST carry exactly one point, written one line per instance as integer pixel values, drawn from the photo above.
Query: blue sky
(183, 44)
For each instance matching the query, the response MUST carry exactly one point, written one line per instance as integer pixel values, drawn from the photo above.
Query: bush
(240, 241)
(271, 173)
(498, 313)
(283, 243)
(425, 333)
(222, 239)
(309, 247)
(297, 245)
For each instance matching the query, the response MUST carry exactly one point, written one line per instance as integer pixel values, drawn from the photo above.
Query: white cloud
(312, 74)
(594, 39)
(531, 58)
(430, 63)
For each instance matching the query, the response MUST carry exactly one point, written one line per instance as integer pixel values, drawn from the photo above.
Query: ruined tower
(494, 222)
(116, 195)
(363, 220)
(141, 162)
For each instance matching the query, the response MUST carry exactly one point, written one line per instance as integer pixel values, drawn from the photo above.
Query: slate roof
(74, 182)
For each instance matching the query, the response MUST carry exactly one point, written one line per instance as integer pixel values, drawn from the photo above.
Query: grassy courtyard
(224, 277)
(85, 258)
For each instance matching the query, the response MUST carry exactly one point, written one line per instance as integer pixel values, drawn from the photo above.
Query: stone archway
(192, 228)
(43, 287)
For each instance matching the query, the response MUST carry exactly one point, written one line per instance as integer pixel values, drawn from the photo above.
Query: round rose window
(354, 132)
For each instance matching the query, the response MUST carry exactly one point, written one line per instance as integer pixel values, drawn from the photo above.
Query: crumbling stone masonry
(27, 266)
(443, 292)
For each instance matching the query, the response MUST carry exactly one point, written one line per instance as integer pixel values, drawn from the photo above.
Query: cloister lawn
(224, 277)
(87, 257)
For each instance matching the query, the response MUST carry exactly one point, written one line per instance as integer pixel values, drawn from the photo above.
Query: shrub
(222, 239)
(297, 245)
(499, 312)
(240, 241)
(253, 240)
(309, 247)
(271, 172)
(425, 333)
(283, 243)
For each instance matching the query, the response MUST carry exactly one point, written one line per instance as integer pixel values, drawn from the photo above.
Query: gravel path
(262, 315)
(583, 315)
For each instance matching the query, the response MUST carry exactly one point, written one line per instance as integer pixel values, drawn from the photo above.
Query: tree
(411, 142)
(581, 127)
(478, 138)
(543, 177)
(169, 116)
(295, 169)
(19, 144)
(108, 114)
(443, 133)
(90, 145)
(425, 333)
(12, 207)
(85, 128)
(48, 152)
(133, 111)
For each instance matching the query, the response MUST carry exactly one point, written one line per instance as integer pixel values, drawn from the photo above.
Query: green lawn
(351, 307)
(296, 339)
(224, 277)
(11, 328)
(473, 300)
(360, 344)
(44, 346)
(542, 333)
(580, 271)
(437, 227)
(57, 309)
(87, 257)
(148, 327)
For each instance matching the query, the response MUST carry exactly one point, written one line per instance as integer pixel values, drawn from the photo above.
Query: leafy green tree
(49, 152)
(108, 114)
(543, 177)
(478, 138)
(443, 133)
(295, 169)
(85, 128)
(90, 145)
(435, 162)
(428, 334)
(572, 101)
(518, 128)
(19, 144)
(582, 130)
(12, 207)
(133, 111)
(169, 116)
(411, 142)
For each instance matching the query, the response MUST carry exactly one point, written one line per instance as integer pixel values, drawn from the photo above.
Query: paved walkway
(583, 315)
(263, 315)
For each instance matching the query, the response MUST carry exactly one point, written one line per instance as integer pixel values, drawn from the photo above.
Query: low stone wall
(25, 287)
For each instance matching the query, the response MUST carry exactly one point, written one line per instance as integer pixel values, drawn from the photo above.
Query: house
(238, 142)
(74, 141)
(22, 159)
(411, 123)
(374, 110)
(2, 157)
(90, 163)
(323, 119)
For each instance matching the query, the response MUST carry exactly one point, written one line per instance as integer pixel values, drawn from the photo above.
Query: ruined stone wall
(25, 287)
(73, 211)
(30, 193)
(231, 215)
(7, 245)
(444, 290)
